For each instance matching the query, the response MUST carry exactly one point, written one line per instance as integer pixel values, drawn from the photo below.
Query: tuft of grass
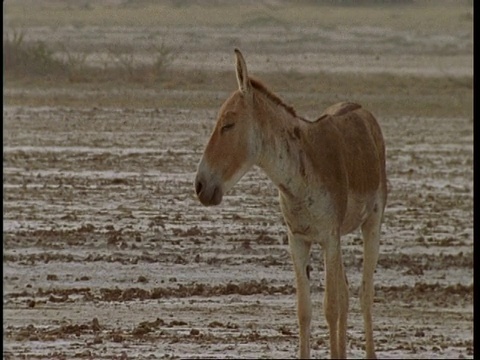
(75, 63)
(163, 59)
(128, 69)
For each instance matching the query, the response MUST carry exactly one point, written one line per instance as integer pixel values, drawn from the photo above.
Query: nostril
(198, 186)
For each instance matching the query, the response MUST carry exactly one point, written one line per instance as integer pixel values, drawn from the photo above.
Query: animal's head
(233, 147)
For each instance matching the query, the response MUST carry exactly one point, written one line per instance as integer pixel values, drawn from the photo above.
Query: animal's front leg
(300, 251)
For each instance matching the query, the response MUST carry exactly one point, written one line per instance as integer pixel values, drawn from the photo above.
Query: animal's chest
(311, 218)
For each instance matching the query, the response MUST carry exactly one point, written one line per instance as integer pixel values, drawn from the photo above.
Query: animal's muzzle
(209, 193)
(198, 186)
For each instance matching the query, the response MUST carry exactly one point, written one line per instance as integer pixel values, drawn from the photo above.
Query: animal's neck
(282, 155)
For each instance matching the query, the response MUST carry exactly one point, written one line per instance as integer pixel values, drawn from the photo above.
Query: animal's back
(364, 148)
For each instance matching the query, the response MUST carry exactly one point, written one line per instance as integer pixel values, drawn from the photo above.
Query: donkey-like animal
(331, 178)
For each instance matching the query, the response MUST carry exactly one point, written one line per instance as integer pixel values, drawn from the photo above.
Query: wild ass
(331, 178)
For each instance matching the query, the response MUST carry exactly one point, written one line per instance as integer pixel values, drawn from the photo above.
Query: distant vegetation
(22, 58)
(25, 59)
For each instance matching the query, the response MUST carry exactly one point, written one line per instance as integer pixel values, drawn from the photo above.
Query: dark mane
(258, 85)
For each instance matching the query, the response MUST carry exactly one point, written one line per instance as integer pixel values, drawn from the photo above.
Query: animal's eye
(227, 127)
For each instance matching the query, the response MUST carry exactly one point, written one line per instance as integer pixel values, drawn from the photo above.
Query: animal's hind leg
(300, 251)
(371, 244)
(336, 297)
(343, 314)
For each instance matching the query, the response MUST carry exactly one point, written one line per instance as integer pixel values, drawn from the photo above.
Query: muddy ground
(109, 255)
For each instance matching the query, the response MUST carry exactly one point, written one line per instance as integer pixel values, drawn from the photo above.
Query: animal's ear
(242, 74)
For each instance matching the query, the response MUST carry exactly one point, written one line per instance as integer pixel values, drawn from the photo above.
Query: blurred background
(311, 48)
